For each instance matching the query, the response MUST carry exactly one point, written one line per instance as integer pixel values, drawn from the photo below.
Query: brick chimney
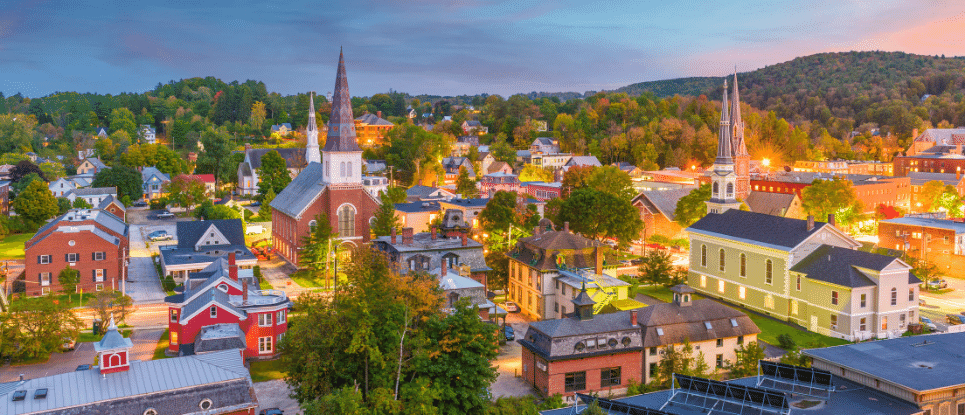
(434, 233)
(958, 173)
(232, 267)
(633, 318)
(244, 292)
(444, 270)
(406, 236)
(536, 231)
(914, 133)
(810, 223)
(598, 252)
(378, 114)
(393, 235)
(831, 219)
(247, 146)
(566, 226)
(465, 238)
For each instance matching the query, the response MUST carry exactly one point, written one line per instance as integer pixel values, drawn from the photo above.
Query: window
(653, 351)
(98, 287)
(834, 321)
(311, 224)
(799, 283)
(716, 189)
(720, 361)
(264, 319)
(213, 312)
(911, 297)
(834, 297)
(743, 265)
(720, 286)
(174, 316)
(894, 296)
(720, 342)
(742, 293)
(574, 381)
(653, 369)
(703, 281)
(703, 255)
(863, 324)
(346, 221)
(43, 259)
(794, 309)
(99, 256)
(610, 376)
(740, 339)
(174, 337)
(342, 169)
(721, 260)
(864, 300)
(71, 257)
(730, 189)
(901, 320)
(768, 272)
(44, 279)
(264, 344)
(452, 260)
(961, 409)
(99, 275)
(884, 323)
(281, 316)
(556, 307)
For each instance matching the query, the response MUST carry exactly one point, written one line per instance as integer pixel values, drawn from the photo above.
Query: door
(814, 323)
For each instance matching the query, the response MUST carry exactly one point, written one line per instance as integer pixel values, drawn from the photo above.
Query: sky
(443, 47)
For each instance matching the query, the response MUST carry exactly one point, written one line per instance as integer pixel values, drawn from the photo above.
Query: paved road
(938, 305)
(274, 394)
(143, 284)
(509, 363)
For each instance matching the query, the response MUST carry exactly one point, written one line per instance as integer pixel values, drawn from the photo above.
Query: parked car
(165, 215)
(508, 332)
(511, 307)
(255, 203)
(926, 322)
(271, 411)
(82, 367)
(140, 203)
(937, 284)
(159, 236)
(254, 230)
(69, 344)
(955, 319)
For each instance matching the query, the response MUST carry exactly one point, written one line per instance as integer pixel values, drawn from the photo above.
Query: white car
(254, 229)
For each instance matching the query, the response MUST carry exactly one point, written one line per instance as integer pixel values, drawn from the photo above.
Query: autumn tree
(936, 195)
(693, 206)
(835, 196)
(577, 177)
(534, 173)
(185, 190)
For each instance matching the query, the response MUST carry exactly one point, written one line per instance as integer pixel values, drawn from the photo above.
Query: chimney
(465, 238)
(599, 261)
(444, 269)
(378, 114)
(393, 235)
(914, 133)
(244, 292)
(633, 318)
(831, 219)
(433, 183)
(232, 267)
(406, 236)
(536, 231)
(958, 173)
(434, 233)
(566, 226)
(247, 146)
(810, 223)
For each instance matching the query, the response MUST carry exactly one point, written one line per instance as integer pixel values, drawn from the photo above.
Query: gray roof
(776, 204)
(301, 192)
(756, 227)
(372, 119)
(95, 191)
(147, 172)
(277, 127)
(665, 201)
(102, 218)
(942, 136)
(414, 207)
(583, 161)
(920, 178)
(453, 164)
(111, 199)
(182, 256)
(174, 385)
(219, 337)
(113, 340)
(96, 162)
(291, 155)
(557, 339)
(958, 227)
(919, 363)
(423, 244)
(679, 323)
(467, 203)
(341, 123)
(839, 266)
(189, 232)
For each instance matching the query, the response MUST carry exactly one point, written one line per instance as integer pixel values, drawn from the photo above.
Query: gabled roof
(943, 136)
(211, 297)
(96, 162)
(113, 340)
(497, 166)
(373, 119)
(679, 323)
(756, 227)
(111, 199)
(148, 172)
(770, 203)
(583, 161)
(473, 123)
(301, 192)
(920, 178)
(546, 141)
(291, 156)
(94, 191)
(665, 201)
(189, 232)
(957, 227)
(842, 266)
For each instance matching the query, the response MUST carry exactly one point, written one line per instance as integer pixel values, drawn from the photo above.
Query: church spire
(311, 149)
(736, 122)
(341, 125)
(724, 144)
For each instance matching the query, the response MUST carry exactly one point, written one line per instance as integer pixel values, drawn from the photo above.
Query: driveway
(509, 363)
(143, 284)
(274, 394)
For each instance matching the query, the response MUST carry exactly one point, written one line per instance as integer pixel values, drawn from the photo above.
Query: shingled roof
(841, 266)
(679, 323)
(769, 203)
(341, 124)
(756, 227)
(665, 201)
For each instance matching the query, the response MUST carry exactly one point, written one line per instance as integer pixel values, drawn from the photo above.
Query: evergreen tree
(385, 219)
(465, 185)
(316, 247)
(273, 173)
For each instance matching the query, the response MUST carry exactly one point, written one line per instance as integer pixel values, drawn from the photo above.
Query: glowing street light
(766, 162)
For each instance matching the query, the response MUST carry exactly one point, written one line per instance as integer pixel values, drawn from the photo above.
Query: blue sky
(443, 47)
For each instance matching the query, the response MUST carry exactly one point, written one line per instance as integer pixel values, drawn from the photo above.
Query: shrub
(786, 342)
(159, 203)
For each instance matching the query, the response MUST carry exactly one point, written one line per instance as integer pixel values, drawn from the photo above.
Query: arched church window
(346, 221)
(342, 169)
(349, 170)
(730, 189)
(716, 189)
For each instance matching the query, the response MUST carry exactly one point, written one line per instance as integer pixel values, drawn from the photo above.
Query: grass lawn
(265, 370)
(162, 345)
(76, 300)
(770, 328)
(90, 337)
(11, 247)
(302, 278)
(264, 285)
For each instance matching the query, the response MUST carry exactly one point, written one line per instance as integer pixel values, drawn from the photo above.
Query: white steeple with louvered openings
(723, 178)
(312, 155)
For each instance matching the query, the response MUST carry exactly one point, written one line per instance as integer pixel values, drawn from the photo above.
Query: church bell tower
(723, 178)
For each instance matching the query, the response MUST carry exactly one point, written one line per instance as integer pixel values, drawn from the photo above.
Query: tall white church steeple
(723, 178)
(311, 149)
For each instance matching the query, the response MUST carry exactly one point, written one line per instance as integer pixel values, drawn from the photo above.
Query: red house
(93, 242)
(221, 308)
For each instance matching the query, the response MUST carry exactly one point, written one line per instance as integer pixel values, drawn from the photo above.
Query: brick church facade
(332, 187)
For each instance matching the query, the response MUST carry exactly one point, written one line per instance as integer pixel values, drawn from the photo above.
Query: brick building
(332, 188)
(494, 182)
(937, 150)
(114, 206)
(93, 242)
(542, 191)
(371, 129)
(221, 307)
(871, 191)
(940, 241)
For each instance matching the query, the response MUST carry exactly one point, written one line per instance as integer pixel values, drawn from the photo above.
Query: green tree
(316, 247)
(35, 203)
(681, 360)
(264, 211)
(257, 118)
(612, 180)
(16, 131)
(125, 179)
(68, 279)
(465, 185)
(80, 203)
(385, 218)
(692, 207)
(746, 363)
(34, 327)
(63, 205)
(53, 171)
(25, 181)
(502, 150)
(217, 154)
(122, 119)
(657, 268)
(273, 173)
(597, 214)
(456, 357)
(217, 212)
(835, 196)
(499, 213)
(396, 194)
(111, 304)
(185, 191)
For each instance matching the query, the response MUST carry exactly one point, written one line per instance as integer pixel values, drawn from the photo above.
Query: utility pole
(124, 265)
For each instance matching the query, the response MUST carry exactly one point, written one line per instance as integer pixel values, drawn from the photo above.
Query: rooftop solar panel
(795, 379)
(619, 408)
(726, 398)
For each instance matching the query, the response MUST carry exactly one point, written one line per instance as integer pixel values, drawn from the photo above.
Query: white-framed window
(346, 221)
(703, 255)
(99, 275)
(281, 317)
(743, 265)
(99, 287)
(834, 297)
(174, 316)
(720, 285)
(264, 320)
(99, 256)
(280, 336)
(742, 293)
(213, 311)
(722, 257)
(768, 272)
(703, 281)
(894, 296)
(45, 290)
(265, 344)
(911, 294)
(44, 279)
(73, 257)
(43, 259)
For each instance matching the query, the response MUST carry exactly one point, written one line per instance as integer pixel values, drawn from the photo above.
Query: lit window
(720, 286)
(174, 337)
(346, 221)
(721, 260)
(743, 265)
(44, 279)
(703, 281)
(769, 272)
(884, 323)
(742, 292)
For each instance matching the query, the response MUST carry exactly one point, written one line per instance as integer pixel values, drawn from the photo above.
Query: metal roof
(839, 266)
(301, 192)
(189, 232)
(758, 227)
(958, 227)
